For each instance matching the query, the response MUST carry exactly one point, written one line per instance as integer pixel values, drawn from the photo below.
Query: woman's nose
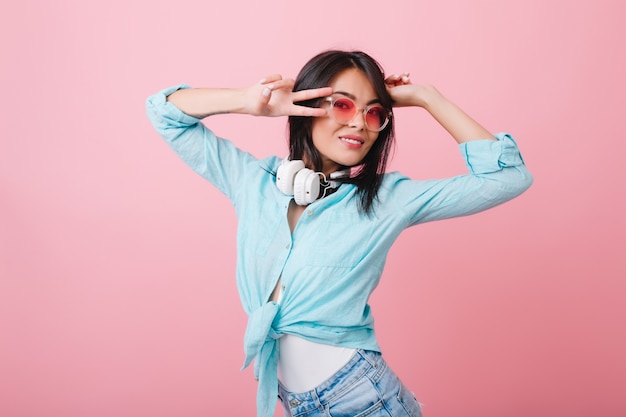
(358, 121)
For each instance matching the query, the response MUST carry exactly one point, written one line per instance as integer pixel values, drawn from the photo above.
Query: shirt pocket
(266, 226)
(258, 229)
(335, 241)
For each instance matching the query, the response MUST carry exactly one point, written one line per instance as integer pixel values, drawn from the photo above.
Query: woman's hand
(405, 94)
(273, 96)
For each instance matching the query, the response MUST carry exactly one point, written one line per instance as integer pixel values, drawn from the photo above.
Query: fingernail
(266, 92)
(262, 80)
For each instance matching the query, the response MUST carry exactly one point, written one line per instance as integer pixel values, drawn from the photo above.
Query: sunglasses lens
(375, 117)
(344, 110)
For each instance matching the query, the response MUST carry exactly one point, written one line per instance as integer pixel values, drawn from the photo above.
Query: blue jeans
(365, 386)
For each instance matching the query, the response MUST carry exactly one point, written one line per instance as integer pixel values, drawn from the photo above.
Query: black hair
(320, 71)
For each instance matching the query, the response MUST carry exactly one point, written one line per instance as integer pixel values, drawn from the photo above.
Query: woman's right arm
(272, 96)
(176, 112)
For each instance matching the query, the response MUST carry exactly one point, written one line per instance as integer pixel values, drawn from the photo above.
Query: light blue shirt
(335, 257)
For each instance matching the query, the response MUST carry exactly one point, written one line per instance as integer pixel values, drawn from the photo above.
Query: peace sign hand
(273, 96)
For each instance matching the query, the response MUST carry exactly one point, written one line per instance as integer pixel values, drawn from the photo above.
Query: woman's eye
(375, 111)
(342, 105)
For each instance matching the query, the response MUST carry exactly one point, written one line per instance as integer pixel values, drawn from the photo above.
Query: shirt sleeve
(497, 174)
(214, 158)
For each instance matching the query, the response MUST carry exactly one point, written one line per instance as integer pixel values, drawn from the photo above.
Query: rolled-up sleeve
(484, 156)
(214, 158)
(497, 173)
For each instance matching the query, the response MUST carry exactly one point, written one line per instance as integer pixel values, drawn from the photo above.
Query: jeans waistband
(363, 363)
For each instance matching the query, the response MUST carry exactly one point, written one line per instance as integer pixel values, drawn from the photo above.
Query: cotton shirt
(335, 256)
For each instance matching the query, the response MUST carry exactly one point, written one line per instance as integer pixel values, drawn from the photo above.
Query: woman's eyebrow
(344, 93)
(353, 97)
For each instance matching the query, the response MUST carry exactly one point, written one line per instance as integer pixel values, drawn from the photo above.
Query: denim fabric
(365, 386)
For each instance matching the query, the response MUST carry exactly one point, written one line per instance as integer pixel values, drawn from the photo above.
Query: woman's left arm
(458, 123)
(497, 172)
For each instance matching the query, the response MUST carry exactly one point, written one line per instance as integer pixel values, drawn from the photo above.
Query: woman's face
(345, 145)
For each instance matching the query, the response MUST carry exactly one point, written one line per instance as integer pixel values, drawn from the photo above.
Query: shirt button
(309, 212)
(287, 247)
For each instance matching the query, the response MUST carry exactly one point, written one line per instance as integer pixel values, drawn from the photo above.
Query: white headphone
(293, 178)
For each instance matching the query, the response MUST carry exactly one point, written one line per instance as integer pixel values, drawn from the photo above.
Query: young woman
(314, 229)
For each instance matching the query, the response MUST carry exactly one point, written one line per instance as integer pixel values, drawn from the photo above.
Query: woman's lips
(352, 140)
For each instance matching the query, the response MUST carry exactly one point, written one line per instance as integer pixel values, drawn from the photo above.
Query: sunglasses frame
(363, 110)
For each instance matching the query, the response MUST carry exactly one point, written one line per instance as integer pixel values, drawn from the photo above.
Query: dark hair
(319, 72)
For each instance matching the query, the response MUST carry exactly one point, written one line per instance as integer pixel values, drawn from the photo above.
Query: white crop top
(304, 365)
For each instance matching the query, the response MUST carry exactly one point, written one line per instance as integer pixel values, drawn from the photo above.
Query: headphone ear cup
(306, 187)
(285, 175)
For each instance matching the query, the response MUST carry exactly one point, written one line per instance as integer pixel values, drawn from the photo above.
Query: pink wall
(117, 294)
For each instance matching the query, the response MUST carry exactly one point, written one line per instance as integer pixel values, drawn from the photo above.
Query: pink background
(117, 293)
